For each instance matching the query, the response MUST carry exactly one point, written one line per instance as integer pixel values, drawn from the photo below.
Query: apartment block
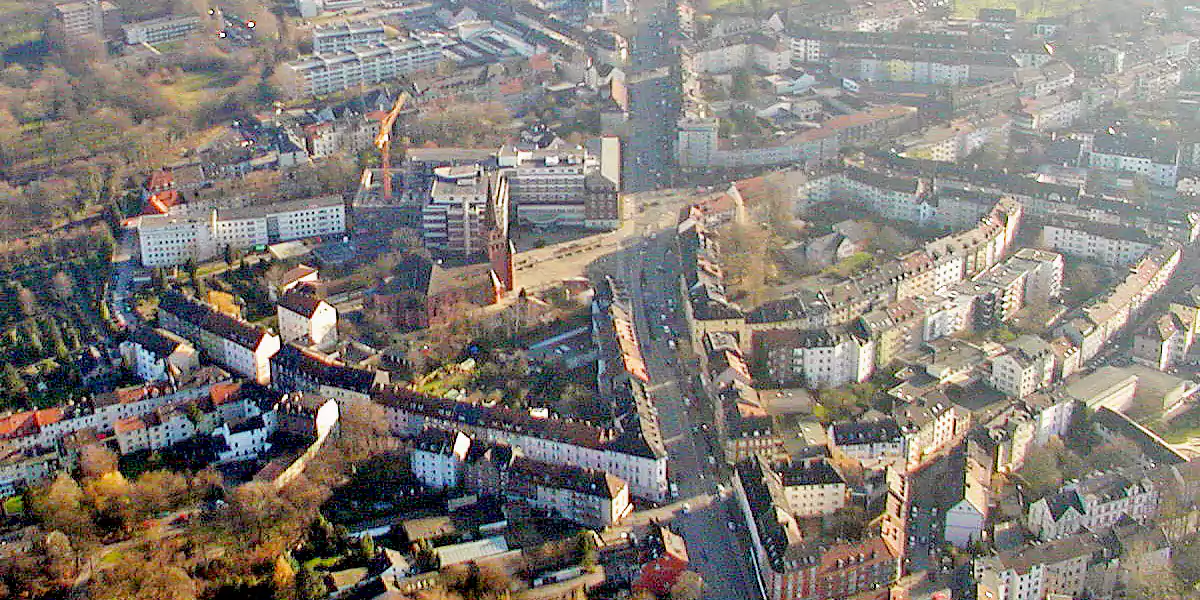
(1094, 504)
(176, 238)
(1026, 367)
(1052, 569)
(293, 369)
(232, 343)
(1142, 155)
(437, 458)
(306, 319)
(342, 37)
(158, 355)
(318, 75)
(1111, 244)
(157, 31)
(816, 359)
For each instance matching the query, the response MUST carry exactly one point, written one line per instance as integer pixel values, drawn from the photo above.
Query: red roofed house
(660, 574)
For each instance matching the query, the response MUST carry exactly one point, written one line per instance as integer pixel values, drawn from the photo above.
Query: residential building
(796, 564)
(1026, 367)
(294, 369)
(437, 458)
(174, 239)
(232, 343)
(591, 497)
(157, 31)
(467, 210)
(869, 442)
(21, 468)
(816, 359)
(812, 487)
(1094, 504)
(1140, 154)
(421, 293)
(307, 320)
(342, 37)
(319, 75)
(1057, 568)
(630, 449)
(1111, 244)
(158, 355)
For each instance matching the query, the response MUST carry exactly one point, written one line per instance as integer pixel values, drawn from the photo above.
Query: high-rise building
(81, 18)
(466, 211)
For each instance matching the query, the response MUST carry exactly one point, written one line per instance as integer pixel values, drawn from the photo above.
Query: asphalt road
(653, 102)
(717, 549)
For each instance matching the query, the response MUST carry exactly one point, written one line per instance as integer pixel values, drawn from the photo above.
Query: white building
(588, 496)
(869, 442)
(158, 355)
(157, 31)
(1026, 367)
(437, 458)
(1094, 504)
(1113, 245)
(174, 239)
(232, 343)
(1157, 161)
(318, 75)
(812, 488)
(306, 320)
(466, 207)
(817, 359)
(547, 186)
(1037, 571)
(81, 18)
(341, 37)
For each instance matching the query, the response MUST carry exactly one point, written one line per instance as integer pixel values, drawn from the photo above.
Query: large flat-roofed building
(174, 239)
(341, 37)
(156, 31)
(369, 65)
(467, 210)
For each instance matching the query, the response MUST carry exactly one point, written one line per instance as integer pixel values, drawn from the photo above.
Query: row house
(742, 420)
(1114, 245)
(158, 355)
(629, 451)
(297, 370)
(1057, 568)
(1106, 315)
(230, 342)
(1094, 504)
(816, 359)
(793, 564)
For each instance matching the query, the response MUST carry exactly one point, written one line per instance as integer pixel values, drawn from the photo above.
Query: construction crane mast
(383, 141)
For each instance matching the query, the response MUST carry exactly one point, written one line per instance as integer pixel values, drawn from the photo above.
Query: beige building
(467, 207)
(306, 320)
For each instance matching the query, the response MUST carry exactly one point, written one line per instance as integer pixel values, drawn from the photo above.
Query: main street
(649, 270)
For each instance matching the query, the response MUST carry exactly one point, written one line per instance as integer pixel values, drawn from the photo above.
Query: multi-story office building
(467, 210)
(342, 37)
(232, 343)
(548, 186)
(174, 239)
(157, 31)
(368, 65)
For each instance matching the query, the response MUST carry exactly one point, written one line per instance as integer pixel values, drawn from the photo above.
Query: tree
(59, 506)
(61, 561)
(588, 551)
(14, 384)
(366, 546)
(57, 343)
(158, 491)
(310, 585)
(284, 578)
(473, 582)
(96, 460)
(689, 586)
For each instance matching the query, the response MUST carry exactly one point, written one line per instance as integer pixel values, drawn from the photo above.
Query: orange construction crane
(383, 141)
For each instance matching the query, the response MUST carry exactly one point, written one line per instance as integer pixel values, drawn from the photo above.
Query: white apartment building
(232, 343)
(154, 431)
(81, 18)
(21, 468)
(466, 207)
(174, 239)
(158, 355)
(869, 442)
(605, 8)
(318, 75)
(812, 488)
(306, 320)
(341, 37)
(1026, 366)
(627, 454)
(817, 359)
(588, 496)
(157, 31)
(437, 458)
(1109, 244)
(1034, 572)
(716, 56)
(1157, 161)
(1094, 504)
(696, 141)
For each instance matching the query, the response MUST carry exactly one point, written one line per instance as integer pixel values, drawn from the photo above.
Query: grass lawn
(1026, 9)
(14, 505)
(1182, 429)
(322, 563)
(112, 558)
(190, 90)
(851, 265)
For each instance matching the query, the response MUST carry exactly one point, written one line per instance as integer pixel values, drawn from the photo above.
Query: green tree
(589, 553)
(57, 343)
(13, 382)
(33, 337)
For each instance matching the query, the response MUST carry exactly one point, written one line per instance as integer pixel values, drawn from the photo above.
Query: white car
(687, 508)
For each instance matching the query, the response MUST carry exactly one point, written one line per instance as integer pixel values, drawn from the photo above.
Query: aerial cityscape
(599, 299)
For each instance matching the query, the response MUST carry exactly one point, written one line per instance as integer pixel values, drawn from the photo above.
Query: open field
(1026, 9)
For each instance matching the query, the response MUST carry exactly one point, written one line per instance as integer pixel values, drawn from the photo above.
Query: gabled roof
(301, 303)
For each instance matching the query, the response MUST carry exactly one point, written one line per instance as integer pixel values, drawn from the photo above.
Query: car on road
(731, 525)
(687, 508)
